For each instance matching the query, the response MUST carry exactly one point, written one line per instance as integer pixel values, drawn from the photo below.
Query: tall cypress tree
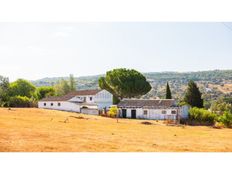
(193, 95)
(72, 83)
(168, 92)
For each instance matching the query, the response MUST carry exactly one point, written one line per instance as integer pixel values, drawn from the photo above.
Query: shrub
(19, 101)
(220, 107)
(113, 111)
(201, 116)
(226, 119)
(218, 125)
(45, 91)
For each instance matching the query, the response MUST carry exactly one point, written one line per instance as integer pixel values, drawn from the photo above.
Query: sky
(37, 50)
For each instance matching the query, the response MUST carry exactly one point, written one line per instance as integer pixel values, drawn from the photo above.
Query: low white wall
(90, 111)
(64, 106)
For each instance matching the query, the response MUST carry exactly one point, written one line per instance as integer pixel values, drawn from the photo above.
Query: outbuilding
(160, 109)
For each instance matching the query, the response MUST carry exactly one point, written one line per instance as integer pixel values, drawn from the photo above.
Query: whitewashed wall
(99, 101)
(81, 98)
(184, 111)
(103, 99)
(64, 105)
(90, 111)
(152, 114)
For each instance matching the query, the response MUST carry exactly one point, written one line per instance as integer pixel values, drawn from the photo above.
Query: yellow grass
(37, 130)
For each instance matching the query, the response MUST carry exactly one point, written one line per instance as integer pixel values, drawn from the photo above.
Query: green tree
(168, 92)
(115, 100)
(226, 119)
(62, 87)
(193, 95)
(4, 90)
(22, 87)
(19, 101)
(202, 116)
(125, 83)
(72, 83)
(228, 100)
(45, 91)
(220, 106)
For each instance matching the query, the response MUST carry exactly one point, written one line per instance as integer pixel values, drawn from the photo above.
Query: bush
(218, 125)
(226, 119)
(113, 111)
(201, 116)
(19, 101)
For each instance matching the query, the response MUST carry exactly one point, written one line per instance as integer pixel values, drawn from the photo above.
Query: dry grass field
(227, 88)
(38, 130)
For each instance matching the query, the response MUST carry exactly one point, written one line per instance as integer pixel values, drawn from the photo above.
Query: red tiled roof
(71, 95)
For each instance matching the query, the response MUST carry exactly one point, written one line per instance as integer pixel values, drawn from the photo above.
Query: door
(124, 113)
(133, 113)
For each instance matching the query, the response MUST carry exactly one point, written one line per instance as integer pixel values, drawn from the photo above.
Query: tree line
(22, 93)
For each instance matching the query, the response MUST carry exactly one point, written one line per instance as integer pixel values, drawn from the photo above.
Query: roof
(147, 103)
(71, 95)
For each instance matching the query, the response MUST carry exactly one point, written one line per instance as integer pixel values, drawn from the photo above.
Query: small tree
(193, 95)
(62, 87)
(220, 106)
(72, 83)
(4, 90)
(113, 111)
(168, 92)
(45, 91)
(226, 119)
(19, 101)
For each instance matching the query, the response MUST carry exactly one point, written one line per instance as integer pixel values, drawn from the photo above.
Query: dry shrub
(218, 125)
(169, 121)
(146, 123)
(78, 117)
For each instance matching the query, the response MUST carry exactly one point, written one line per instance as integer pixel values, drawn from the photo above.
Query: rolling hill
(213, 84)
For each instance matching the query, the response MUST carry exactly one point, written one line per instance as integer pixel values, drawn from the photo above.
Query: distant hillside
(209, 81)
(214, 75)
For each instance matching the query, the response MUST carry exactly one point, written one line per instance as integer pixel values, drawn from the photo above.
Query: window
(51, 104)
(164, 112)
(58, 104)
(145, 112)
(90, 98)
(45, 104)
(173, 112)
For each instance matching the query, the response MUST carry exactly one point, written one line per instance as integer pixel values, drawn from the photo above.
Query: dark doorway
(124, 113)
(133, 113)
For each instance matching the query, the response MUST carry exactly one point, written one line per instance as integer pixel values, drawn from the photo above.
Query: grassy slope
(45, 130)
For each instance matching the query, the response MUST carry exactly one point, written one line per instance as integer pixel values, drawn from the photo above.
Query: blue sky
(37, 50)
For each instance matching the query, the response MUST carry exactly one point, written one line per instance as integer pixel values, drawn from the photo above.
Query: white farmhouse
(83, 101)
(151, 109)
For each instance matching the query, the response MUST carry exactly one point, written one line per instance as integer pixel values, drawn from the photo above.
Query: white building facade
(152, 109)
(84, 101)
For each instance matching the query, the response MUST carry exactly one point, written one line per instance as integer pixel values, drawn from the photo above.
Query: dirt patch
(79, 117)
(146, 123)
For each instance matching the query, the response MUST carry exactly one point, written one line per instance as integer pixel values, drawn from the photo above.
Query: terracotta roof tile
(71, 95)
